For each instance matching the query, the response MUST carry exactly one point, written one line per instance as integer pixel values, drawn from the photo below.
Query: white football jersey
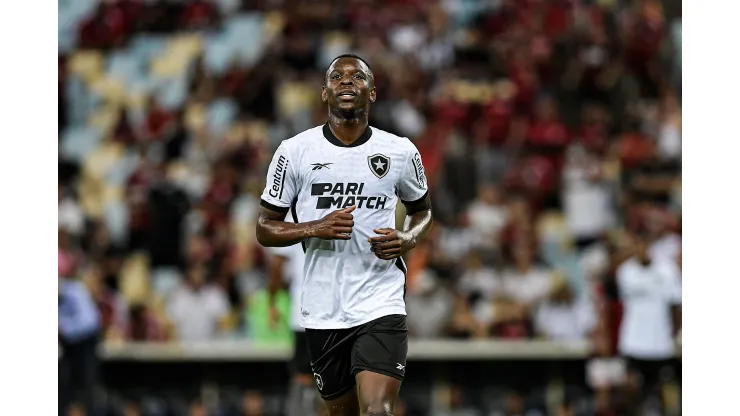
(313, 174)
(647, 293)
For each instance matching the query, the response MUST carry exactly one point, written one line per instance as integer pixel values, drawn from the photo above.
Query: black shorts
(300, 363)
(337, 355)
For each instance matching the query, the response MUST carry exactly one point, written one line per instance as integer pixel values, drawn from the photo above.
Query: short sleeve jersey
(313, 174)
(647, 293)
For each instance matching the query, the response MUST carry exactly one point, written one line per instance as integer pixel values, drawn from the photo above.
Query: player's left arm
(413, 191)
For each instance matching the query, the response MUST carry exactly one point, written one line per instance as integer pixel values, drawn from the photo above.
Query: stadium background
(550, 131)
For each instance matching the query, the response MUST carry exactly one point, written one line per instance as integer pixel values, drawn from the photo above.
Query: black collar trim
(336, 142)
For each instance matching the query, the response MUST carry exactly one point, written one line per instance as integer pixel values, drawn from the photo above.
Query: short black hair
(350, 55)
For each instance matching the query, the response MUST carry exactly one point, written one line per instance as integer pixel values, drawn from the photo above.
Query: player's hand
(335, 226)
(390, 243)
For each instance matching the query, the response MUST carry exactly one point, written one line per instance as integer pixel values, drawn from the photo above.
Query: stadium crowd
(550, 131)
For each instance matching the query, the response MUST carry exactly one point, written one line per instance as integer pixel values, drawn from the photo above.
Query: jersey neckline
(364, 137)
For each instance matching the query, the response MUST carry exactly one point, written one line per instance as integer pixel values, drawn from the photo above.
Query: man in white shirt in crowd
(198, 310)
(650, 291)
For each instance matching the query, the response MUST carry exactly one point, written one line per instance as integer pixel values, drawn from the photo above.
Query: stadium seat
(116, 216)
(218, 54)
(220, 114)
(105, 117)
(112, 91)
(147, 47)
(125, 66)
(88, 65)
(78, 142)
(172, 93)
(134, 281)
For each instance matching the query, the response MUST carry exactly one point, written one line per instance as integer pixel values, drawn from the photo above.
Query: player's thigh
(379, 362)
(330, 352)
(377, 393)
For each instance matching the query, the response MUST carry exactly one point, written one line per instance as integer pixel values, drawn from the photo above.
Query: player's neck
(347, 130)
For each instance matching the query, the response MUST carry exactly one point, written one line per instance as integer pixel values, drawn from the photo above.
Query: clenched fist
(335, 226)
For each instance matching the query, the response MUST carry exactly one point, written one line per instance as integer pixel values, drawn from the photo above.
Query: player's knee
(380, 408)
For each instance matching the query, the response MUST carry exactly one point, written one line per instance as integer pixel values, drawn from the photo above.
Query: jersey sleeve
(280, 187)
(280, 251)
(412, 185)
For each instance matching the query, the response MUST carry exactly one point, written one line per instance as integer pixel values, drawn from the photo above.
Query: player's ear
(324, 97)
(372, 95)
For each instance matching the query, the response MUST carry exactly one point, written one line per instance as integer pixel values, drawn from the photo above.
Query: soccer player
(341, 181)
(286, 264)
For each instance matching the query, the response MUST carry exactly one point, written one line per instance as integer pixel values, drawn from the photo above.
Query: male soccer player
(286, 264)
(341, 182)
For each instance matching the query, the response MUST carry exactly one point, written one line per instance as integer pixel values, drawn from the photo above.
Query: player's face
(349, 85)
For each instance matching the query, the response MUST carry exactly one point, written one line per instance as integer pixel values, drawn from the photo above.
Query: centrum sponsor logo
(278, 178)
(419, 168)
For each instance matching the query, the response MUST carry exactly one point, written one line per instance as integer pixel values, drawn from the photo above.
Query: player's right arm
(281, 190)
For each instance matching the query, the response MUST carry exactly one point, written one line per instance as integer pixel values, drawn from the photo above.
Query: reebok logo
(400, 366)
(342, 195)
(278, 178)
(319, 166)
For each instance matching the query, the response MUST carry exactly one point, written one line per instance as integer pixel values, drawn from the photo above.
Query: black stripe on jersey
(282, 210)
(402, 266)
(295, 219)
(416, 170)
(364, 137)
(412, 203)
(282, 180)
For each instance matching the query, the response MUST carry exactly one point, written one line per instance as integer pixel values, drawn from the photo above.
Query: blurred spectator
(71, 217)
(524, 286)
(457, 405)
(79, 331)
(669, 136)
(665, 243)
(167, 207)
(606, 375)
(111, 305)
(429, 307)
(199, 14)
(142, 325)
(197, 309)
(565, 316)
(587, 200)
(259, 317)
(650, 290)
(252, 404)
(487, 216)
(198, 408)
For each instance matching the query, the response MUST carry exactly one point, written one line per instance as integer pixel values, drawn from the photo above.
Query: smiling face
(349, 88)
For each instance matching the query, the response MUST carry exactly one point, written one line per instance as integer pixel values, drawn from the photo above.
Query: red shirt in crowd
(497, 116)
(199, 13)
